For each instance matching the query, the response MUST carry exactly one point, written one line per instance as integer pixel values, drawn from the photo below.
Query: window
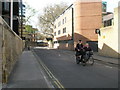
(64, 30)
(108, 23)
(54, 33)
(6, 6)
(59, 32)
(55, 27)
(63, 21)
(59, 23)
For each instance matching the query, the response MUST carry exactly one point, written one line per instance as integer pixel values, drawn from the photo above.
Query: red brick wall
(66, 46)
(65, 37)
(87, 18)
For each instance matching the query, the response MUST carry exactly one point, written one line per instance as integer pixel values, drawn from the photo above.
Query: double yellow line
(55, 80)
(58, 84)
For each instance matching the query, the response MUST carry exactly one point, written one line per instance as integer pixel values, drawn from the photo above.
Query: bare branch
(50, 13)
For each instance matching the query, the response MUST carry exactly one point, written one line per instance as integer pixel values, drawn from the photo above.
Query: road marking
(48, 83)
(108, 66)
(52, 77)
(56, 81)
(59, 85)
(104, 65)
(98, 64)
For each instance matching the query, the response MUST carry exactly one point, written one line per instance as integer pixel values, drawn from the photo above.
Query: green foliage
(29, 29)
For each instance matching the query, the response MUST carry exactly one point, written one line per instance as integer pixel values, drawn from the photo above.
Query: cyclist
(79, 51)
(87, 50)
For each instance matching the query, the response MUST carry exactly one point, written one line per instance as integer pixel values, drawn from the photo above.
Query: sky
(40, 4)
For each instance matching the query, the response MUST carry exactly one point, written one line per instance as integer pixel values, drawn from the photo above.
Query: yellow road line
(52, 76)
(58, 84)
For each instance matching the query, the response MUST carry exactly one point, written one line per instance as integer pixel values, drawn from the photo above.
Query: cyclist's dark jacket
(80, 47)
(87, 49)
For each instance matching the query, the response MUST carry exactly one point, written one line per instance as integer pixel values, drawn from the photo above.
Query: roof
(108, 17)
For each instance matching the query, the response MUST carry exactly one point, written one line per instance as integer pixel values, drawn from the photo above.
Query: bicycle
(87, 58)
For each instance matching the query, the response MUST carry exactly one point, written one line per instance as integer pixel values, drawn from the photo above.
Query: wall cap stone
(2, 22)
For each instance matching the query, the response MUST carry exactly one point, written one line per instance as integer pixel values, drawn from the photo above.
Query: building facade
(21, 18)
(9, 11)
(78, 22)
(63, 32)
(108, 40)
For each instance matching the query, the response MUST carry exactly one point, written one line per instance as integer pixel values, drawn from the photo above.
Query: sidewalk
(98, 57)
(105, 59)
(28, 73)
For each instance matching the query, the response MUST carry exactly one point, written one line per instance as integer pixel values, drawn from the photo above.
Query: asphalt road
(63, 66)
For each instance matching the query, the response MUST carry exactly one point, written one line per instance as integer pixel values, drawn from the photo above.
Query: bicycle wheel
(77, 60)
(91, 60)
(83, 62)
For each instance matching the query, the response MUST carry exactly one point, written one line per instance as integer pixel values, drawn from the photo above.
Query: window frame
(59, 32)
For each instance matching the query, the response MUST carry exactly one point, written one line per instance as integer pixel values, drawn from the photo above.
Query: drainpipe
(11, 15)
(73, 27)
(72, 24)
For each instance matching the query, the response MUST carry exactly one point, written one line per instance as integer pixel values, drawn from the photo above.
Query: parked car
(44, 44)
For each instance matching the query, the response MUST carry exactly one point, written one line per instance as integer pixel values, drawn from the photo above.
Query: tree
(50, 13)
(29, 29)
(30, 12)
(41, 36)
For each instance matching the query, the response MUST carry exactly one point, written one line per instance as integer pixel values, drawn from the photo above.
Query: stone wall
(0, 55)
(0, 8)
(11, 46)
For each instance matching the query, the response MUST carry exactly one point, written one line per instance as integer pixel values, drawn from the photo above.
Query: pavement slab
(27, 73)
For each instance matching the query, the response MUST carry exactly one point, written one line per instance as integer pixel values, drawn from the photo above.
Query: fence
(11, 46)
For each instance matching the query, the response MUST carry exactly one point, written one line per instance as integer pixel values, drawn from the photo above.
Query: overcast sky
(40, 4)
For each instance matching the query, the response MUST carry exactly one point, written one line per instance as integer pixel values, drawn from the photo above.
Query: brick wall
(66, 46)
(87, 18)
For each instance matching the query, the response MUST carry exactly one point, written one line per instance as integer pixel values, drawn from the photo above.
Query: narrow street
(37, 39)
(61, 64)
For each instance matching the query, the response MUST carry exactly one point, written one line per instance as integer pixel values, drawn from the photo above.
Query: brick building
(78, 21)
